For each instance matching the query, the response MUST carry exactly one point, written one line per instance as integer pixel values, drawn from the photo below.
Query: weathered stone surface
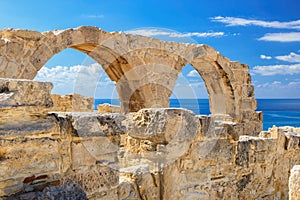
(154, 153)
(15, 92)
(45, 125)
(294, 183)
(98, 179)
(96, 124)
(72, 103)
(95, 150)
(159, 135)
(62, 192)
(139, 183)
(242, 157)
(24, 34)
(107, 108)
(65, 191)
(40, 156)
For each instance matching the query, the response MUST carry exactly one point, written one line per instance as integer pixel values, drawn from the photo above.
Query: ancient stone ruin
(145, 150)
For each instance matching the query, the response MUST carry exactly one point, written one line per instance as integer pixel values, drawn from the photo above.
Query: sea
(278, 112)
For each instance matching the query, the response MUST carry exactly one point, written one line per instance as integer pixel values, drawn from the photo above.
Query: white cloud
(279, 85)
(193, 73)
(173, 34)
(270, 84)
(292, 57)
(95, 16)
(294, 83)
(277, 89)
(281, 37)
(277, 70)
(75, 79)
(197, 84)
(236, 21)
(264, 57)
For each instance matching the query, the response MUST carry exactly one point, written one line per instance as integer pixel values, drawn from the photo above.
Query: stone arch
(121, 53)
(212, 67)
(228, 83)
(25, 52)
(83, 39)
(220, 92)
(144, 77)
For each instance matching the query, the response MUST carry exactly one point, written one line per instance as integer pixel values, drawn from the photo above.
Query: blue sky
(263, 34)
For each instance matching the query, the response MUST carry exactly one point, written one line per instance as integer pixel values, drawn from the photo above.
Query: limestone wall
(153, 154)
(213, 162)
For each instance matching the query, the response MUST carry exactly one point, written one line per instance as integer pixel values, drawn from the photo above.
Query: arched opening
(91, 79)
(190, 92)
(228, 83)
(62, 70)
(106, 96)
(74, 72)
(120, 53)
(218, 85)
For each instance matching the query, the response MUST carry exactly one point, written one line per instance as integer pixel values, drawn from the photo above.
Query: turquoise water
(279, 112)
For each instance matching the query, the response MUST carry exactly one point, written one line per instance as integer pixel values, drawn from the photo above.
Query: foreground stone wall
(211, 161)
(153, 154)
(157, 153)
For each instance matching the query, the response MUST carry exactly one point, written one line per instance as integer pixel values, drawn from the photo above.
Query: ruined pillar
(146, 86)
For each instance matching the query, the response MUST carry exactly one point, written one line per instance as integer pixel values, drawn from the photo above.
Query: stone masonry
(144, 69)
(147, 151)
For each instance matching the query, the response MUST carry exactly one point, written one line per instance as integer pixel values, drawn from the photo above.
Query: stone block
(223, 129)
(24, 157)
(17, 92)
(26, 125)
(88, 152)
(40, 56)
(97, 179)
(95, 124)
(248, 104)
(107, 108)
(199, 176)
(294, 183)
(242, 155)
(213, 151)
(64, 191)
(72, 103)
(163, 125)
(292, 140)
(248, 90)
(81, 156)
(262, 144)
